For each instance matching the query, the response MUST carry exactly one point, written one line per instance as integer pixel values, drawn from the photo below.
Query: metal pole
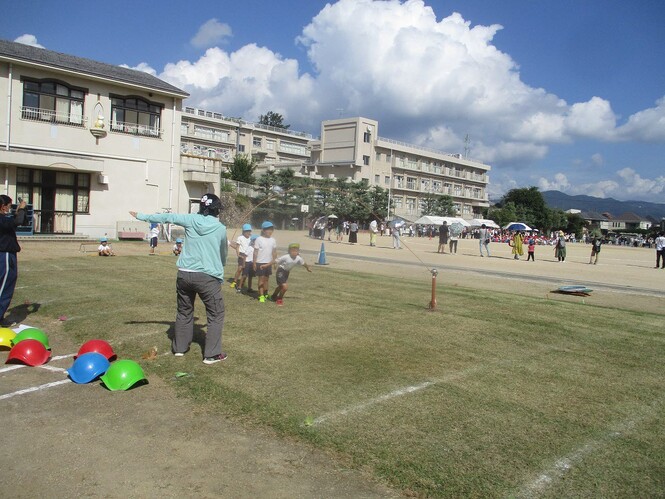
(432, 304)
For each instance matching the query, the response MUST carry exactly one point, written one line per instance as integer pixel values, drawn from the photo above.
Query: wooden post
(432, 304)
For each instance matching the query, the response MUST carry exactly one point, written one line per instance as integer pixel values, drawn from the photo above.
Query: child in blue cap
(177, 247)
(265, 254)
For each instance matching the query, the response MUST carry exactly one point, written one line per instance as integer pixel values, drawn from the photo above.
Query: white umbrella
(333, 216)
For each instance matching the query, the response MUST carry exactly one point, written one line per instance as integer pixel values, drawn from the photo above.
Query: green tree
(576, 224)
(273, 119)
(242, 169)
(529, 197)
(438, 205)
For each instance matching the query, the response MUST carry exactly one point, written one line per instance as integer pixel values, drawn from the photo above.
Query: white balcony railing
(51, 116)
(136, 129)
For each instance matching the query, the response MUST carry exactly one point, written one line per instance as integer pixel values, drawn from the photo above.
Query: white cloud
(593, 119)
(597, 159)
(141, 66)
(627, 184)
(425, 80)
(28, 39)
(210, 33)
(647, 125)
(560, 183)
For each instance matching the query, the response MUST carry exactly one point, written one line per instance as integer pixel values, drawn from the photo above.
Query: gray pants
(188, 285)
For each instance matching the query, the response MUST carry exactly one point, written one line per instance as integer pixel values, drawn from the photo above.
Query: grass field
(492, 395)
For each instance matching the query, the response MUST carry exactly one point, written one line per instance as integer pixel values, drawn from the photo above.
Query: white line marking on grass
(53, 368)
(11, 368)
(60, 357)
(34, 389)
(561, 466)
(364, 405)
(399, 392)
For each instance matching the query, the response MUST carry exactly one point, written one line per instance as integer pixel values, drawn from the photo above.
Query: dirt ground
(70, 440)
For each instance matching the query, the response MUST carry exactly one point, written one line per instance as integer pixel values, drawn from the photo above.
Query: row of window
(57, 102)
(410, 203)
(429, 166)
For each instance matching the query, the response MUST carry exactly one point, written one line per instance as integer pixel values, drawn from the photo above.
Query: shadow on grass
(199, 333)
(19, 313)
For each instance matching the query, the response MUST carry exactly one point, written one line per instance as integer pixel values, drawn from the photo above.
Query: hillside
(557, 199)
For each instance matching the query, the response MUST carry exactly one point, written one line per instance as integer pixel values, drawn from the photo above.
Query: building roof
(630, 217)
(34, 55)
(593, 215)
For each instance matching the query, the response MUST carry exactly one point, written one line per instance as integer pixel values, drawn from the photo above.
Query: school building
(83, 142)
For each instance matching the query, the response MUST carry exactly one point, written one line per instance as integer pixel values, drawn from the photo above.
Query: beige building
(83, 142)
(210, 141)
(352, 148)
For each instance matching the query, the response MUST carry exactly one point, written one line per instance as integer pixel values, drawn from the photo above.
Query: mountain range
(558, 199)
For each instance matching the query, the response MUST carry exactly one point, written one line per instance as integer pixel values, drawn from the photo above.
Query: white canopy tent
(478, 222)
(433, 220)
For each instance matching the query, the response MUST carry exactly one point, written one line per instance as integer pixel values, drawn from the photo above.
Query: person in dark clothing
(8, 248)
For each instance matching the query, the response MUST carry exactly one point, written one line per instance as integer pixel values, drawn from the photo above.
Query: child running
(248, 270)
(284, 265)
(241, 250)
(265, 253)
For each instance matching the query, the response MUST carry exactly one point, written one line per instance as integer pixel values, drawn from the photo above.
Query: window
(410, 205)
(136, 116)
(399, 181)
(48, 100)
(398, 202)
(366, 137)
(270, 145)
(410, 182)
(293, 148)
(210, 133)
(256, 142)
(386, 180)
(365, 160)
(241, 148)
(377, 179)
(378, 156)
(184, 129)
(458, 190)
(388, 157)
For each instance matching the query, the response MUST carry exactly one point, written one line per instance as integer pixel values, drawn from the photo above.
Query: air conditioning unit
(103, 179)
(331, 175)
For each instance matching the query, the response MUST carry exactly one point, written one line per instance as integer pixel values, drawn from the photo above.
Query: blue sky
(560, 94)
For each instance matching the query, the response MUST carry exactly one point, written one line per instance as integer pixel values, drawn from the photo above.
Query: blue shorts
(153, 242)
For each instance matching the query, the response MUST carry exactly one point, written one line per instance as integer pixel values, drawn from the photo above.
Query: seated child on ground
(177, 247)
(104, 248)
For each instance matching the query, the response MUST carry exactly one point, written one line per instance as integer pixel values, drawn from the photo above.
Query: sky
(558, 94)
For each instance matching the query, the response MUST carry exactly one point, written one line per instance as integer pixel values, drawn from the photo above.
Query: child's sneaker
(232, 285)
(238, 289)
(215, 359)
(262, 299)
(267, 297)
(279, 302)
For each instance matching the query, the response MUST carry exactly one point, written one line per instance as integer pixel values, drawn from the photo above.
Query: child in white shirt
(284, 265)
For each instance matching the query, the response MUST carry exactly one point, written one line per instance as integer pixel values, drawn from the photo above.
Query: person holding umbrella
(516, 243)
